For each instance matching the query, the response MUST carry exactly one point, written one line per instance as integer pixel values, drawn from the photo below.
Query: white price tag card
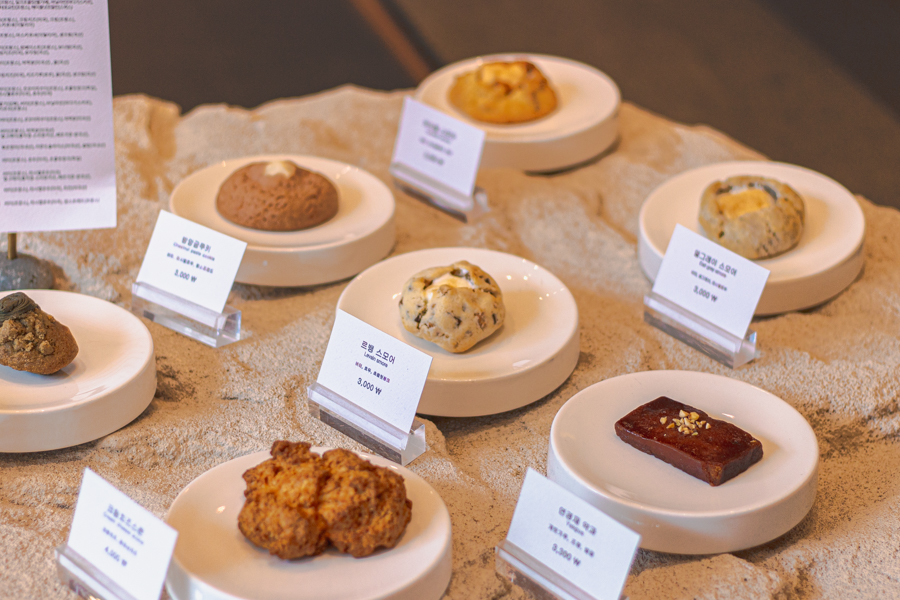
(120, 538)
(56, 139)
(438, 146)
(374, 370)
(191, 261)
(572, 538)
(710, 281)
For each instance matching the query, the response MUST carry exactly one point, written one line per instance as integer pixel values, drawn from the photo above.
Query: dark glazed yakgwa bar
(687, 438)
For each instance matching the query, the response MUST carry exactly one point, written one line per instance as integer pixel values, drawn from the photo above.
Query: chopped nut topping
(695, 433)
(677, 421)
(694, 416)
(663, 420)
(707, 425)
(670, 426)
(682, 414)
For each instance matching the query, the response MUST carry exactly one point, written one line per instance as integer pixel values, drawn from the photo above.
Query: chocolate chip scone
(454, 307)
(30, 339)
(756, 217)
(503, 92)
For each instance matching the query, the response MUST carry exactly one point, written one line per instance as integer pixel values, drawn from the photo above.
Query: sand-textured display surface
(836, 364)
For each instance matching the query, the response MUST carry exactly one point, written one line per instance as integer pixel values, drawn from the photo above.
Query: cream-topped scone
(454, 307)
(503, 92)
(756, 217)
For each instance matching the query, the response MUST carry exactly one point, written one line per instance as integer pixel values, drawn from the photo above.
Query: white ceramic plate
(526, 359)
(360, 234)
(673, 511)
(110, 382)
(214, 561)
(584, 124)
(826, 261)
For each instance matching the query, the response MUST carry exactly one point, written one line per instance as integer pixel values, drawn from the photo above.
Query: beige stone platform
(837, 364)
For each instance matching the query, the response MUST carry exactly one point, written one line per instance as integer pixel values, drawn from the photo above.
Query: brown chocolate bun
(277, 196)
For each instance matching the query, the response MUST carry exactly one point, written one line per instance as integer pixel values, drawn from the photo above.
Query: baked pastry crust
(756, 217)
(454, 307)
(503, 92)
(30, 339)
(277, 196)
(297, 503)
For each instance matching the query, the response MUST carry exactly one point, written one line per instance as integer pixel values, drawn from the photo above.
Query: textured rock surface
(837, 364)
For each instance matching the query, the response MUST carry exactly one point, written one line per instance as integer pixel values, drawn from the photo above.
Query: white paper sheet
(57, 154)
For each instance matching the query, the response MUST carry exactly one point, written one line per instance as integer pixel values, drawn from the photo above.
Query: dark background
(811, 83)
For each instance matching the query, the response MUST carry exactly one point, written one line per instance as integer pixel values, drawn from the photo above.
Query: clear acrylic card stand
(374, 433)
(85, 580)
(443, 197)
(195, 321)
(699, 333)
(536, 579)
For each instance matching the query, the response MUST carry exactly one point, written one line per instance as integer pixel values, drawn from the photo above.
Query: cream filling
(743, 202)
(447, 279)
(280, 167)
(509, 74)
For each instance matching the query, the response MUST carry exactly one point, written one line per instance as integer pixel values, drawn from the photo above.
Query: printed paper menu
(572, 538)
(191, 261)
(437, 145)
(710, 281)
(57, 154)
(374, 370)
(120, 538)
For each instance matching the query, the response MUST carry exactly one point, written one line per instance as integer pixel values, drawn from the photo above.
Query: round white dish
(826, 261)
(526, 359)
(359, 235)
(671, 510)
(214, 561)
(584, 123)
(110, 382)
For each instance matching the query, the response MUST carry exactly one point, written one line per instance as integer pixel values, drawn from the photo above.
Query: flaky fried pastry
(365, 506)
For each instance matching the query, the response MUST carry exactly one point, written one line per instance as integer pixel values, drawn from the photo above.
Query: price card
(120, 538)
(373, 370)
(191, 261)
(572, 538)
(57, 147)
(710, 281)
(435, 144)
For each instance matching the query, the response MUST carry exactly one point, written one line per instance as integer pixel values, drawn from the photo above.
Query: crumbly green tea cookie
(756, 217)
(30, 339)
(454, 307)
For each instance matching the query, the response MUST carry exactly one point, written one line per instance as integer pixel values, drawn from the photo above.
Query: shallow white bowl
(214, 561)
(359, 235)
(584, 123)
(826, 261)
(110, 382)
(671, 510)
(526, 359)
